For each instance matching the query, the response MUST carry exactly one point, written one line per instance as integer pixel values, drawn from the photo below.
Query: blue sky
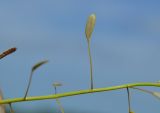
(125, 48)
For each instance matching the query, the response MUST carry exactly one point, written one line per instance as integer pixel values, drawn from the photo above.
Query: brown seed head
(7, 52)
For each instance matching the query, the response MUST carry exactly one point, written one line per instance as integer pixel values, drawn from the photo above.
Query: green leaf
(38, 65)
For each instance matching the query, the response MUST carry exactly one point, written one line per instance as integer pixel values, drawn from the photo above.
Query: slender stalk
(28, 86)
(58, 101)
(55, 88)
(79, 92)
(129, 100)
(91, 66)
(35, 67)
(60, 105)
(11, 108)
(143, 90)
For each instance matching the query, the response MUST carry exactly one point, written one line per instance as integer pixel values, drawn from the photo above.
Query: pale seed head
(90, 26)
(56, 84)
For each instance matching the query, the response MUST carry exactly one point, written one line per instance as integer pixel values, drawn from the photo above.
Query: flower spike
(90, 26)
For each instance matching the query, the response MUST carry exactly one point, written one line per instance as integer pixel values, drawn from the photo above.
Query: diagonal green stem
(79, 92)
(60, 105)
(91, 66)
(143, 90)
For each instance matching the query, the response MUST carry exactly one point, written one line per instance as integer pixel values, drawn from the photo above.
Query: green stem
(79, 92)
(60, 105)
(143, 90)
(28, 86)
(55, 88)
(91, 66)
(129, 100)
(11, 108)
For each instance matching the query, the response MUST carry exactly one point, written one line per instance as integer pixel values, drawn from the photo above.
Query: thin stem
(60, 105)
(129, 100)
(55, 88)
(146, 91)
(79, 92)
(58, 102)
(11, 108)
(29, 83)
(91, 66)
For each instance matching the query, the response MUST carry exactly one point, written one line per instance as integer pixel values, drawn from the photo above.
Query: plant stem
(79, 92)
(29, 83)
(60, 105)
(11, 108)
(143, 90)
(129, 100)
(55, 88)
(91, 66)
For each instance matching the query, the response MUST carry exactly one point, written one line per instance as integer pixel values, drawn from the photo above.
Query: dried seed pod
(7, 52)
(90, 26)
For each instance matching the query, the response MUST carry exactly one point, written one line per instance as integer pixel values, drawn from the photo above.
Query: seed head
(7, 52)
(38, 65)
(56, 84)
(90, 26)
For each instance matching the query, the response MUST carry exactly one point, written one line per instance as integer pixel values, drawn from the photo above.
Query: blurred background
(125, 49)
